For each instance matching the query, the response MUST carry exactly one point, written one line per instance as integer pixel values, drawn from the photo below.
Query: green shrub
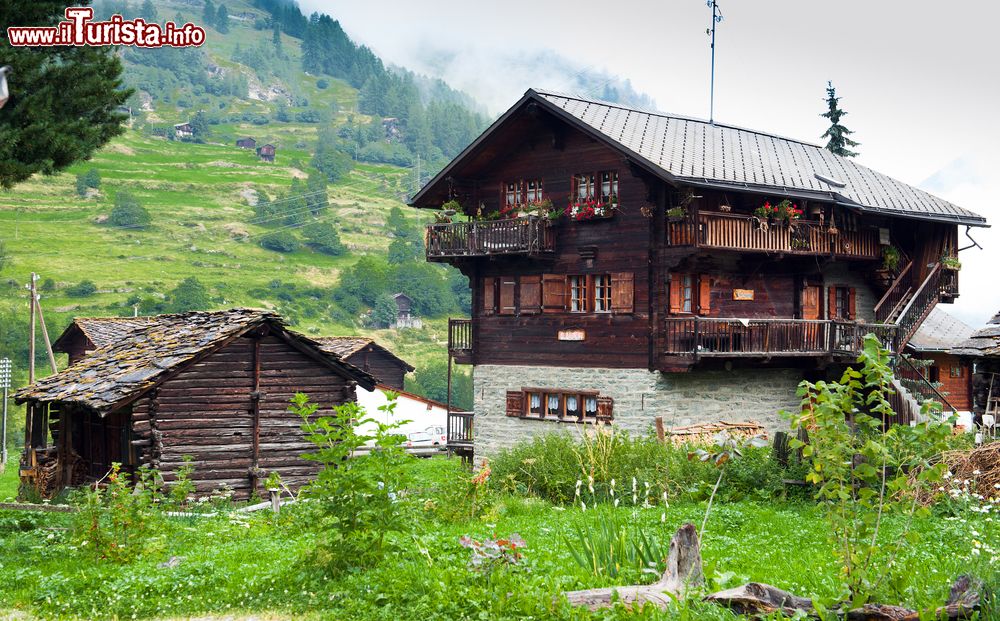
(128, 213)
(82, 289)
(361, 502)
(280, 241)
(117, 521)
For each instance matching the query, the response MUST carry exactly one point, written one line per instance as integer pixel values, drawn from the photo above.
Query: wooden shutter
(531, 295)
(623, 292)
(851, 305)
(489, 295)
(515, 403)
(507, 286)
(704, 295)
(553, 293)
(605, 408)
(831, 307)
(676, 294)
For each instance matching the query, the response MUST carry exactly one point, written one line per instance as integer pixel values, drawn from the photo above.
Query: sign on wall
(572, 335)
(743, 295)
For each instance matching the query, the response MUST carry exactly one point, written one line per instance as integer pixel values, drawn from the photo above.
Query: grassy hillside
(200, 199)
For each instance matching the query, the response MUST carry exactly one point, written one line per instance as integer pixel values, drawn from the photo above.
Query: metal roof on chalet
(346, 346)
(939, 332)
(983, 342)
(142, 353)
(690, 151)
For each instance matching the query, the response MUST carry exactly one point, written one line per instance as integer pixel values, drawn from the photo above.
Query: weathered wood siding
(386, 370)
(957, 390)
(206, 412)
(621, 243)
(285, 371)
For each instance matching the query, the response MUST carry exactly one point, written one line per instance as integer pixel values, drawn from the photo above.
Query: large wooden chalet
(210, 386)
(669, 277)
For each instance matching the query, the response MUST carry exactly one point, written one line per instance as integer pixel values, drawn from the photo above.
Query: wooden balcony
(460, 433)
(705, 337)
(460, 340)
(519, 236)
(744, 233)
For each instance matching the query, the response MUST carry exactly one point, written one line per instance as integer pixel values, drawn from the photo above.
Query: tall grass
(549, 466)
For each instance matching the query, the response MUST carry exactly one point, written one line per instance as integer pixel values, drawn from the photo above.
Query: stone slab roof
(984, 342)
(940, 332)
(347, 346)
(141, 353)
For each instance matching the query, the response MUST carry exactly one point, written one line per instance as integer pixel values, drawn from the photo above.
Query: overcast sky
(919, 79)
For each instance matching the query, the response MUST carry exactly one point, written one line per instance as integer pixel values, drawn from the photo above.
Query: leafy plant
(607, 545)
(82, 289)
(493, 553)
(863, 472)
(116, 521)
(951, 263)
(890, 258)
(361, 499)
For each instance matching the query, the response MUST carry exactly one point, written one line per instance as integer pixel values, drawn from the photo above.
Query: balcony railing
(459, 336)
(460, 433)
(520, 236)
(742, 232)
(710, 336)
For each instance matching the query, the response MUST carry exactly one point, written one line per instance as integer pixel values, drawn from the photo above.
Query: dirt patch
(120, 148)
(298, 174)
(237, 231)
(250, 196)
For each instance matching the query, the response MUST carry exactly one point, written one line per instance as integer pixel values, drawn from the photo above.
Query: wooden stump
(683, 571)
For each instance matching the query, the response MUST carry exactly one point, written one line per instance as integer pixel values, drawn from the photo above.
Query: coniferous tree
(199, 125)
(222, 19)
(208, 14)
(63, 99)
(838, 142)
(148, 12)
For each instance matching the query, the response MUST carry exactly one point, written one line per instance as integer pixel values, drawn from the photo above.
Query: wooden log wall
(386, 370)
(207, 412)
(285, 371)
(616, 244)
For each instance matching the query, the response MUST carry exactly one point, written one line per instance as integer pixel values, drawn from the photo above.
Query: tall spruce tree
(838, 142)
(63, 99)
(222, 19)
(208, 13)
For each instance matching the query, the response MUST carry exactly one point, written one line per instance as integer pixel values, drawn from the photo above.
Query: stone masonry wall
(639, 396)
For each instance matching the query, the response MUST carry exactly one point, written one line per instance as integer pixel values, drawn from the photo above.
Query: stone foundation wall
(639, 397)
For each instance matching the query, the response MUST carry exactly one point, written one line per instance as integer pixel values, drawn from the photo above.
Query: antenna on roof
(716, 18)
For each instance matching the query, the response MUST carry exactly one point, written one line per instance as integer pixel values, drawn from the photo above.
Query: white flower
(583, 505)
(616, 502)
(976, 473)
(663, 517)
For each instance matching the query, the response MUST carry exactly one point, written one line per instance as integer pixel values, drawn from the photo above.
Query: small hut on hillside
(246, 143)
(266, 152)
(183, 130)
(212, 386)
(404, 313)
(388, 368)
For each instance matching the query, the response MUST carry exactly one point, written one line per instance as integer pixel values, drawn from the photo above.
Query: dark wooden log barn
(210, 386)
(367, 355)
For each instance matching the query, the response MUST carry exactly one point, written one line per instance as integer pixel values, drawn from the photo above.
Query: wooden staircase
(907, 303)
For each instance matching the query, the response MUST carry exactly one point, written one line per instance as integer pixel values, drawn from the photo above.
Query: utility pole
(5, 384)
(45, 333)
(31, 329)
(716, 18)
(417, 188)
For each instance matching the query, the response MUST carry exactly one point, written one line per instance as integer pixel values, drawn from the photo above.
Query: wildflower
(663, 517)
(583, 506)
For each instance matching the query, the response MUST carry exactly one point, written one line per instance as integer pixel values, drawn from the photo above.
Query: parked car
(422, 439)
(438, 432)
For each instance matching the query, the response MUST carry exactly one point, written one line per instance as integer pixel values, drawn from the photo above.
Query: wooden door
(811, 296)
(812, 308)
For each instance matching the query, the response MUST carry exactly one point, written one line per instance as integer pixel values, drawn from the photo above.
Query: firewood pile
(981, 465)
(48, 472)
(704, 433)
